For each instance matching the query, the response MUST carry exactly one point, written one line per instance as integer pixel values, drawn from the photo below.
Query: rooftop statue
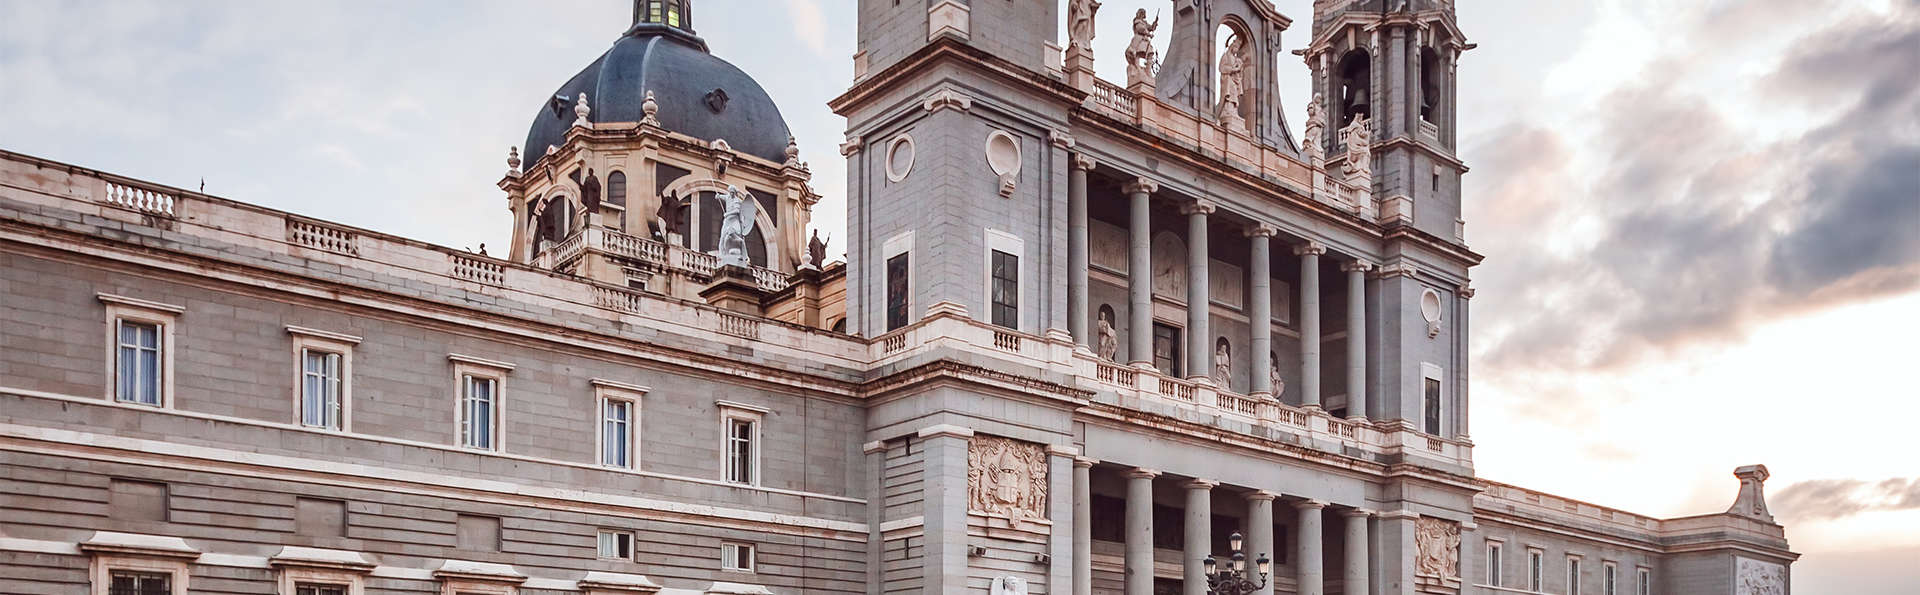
(1080, 31)
(1233, 65)
(817, 250)
(1140, 55)
(736, 222)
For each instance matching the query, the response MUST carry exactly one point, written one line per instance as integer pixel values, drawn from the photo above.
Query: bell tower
(1390, 63)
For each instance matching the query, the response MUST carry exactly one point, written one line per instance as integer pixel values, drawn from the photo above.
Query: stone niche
(1007, 482)
(1437, 569)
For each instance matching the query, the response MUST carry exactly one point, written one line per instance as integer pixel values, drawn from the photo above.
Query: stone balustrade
(659, 254)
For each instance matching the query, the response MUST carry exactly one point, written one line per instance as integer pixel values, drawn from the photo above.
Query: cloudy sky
(1702, 218)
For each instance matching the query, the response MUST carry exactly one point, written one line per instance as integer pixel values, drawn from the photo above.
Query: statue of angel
(736, 222)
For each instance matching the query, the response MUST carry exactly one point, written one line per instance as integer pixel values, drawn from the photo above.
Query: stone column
(1077, 249)
(1140, 273)
(1462, 411)
(1356, 338)
(1260, 280)
(1199, 543)
(1199, 337)
(1260, 533)
(1139, 558)
(1310, 322)
(1354, 580)
(876, 452)
(1083, 526)
(1310, 579)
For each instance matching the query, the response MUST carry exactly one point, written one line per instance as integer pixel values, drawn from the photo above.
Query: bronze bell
(1358, 102)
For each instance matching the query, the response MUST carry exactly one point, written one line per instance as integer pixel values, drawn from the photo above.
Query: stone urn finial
(649, 107)
(1752, 502)
(513, 161)
(581, 110)
(793, 152)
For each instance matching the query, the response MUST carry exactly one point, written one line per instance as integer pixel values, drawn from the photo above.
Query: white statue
(735, 224)
(1315, 130)
(1008, 585)
(1080, 23)
(1140, 54)
(1222, 363)
(1359, 147)
(1109, 344)
(1233, 64)
(1279, 384)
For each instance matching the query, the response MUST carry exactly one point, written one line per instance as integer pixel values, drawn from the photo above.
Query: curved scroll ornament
(1007, 477)
(1754, 577)
(1439, 544)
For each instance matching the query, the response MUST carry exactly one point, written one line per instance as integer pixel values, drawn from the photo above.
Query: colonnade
(1309, 536)
(1199, 337)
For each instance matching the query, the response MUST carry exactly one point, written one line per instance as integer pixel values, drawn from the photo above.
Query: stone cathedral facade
(1088, 337)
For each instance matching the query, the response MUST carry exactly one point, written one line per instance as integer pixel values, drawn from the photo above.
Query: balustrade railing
(1115, 374)
(323, 237)
(700, 263)
(1115, 97)
(740, 326)
(1240, 404)
(139, 199)
(477, 270)
(1006, 341)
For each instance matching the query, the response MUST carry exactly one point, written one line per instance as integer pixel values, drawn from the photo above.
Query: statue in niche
(1007, 477)
(1222, 363)
(1080, 14)
(736, 222)
(1438, 542)
(1315, 128)
(590, 192)
(1233, 64)
(817, 249)
(1279, 384)
(1140, 55)
(1359, 147)
(1108, 344)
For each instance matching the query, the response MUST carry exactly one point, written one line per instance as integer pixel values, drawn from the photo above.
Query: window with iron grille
(1006, 290)
(140, 583)
(318, 589)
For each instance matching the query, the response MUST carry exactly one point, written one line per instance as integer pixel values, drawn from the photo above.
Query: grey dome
(676, 66)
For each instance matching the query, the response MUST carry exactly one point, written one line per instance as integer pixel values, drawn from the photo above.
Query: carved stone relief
(1226, 284)
(1107, 246)
(1007, 477)
(1754, 577)
(1282, 302)
(1439, 544)
(1169, 266)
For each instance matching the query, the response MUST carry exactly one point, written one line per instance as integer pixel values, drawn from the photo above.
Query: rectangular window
(320, 384)
(897, 288)
(140, 583)
(616, 433)
(478, 411)
(616, 545)
(1646, 582)
(736, 556)
(1006, 290)
(1166, 350)
(1493, 564)
(1534, 562)
(1432, 402)
(313, 589)
(1607, 586)
(138, 363)
(1573, 576)
(740, 451)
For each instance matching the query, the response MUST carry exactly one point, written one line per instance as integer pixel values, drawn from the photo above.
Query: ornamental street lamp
(1234, 580)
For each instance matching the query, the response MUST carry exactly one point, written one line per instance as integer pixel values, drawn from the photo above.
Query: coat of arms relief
(1007, 477)
(1438, 542)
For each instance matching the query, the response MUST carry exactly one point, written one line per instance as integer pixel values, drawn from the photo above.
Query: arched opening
(1432, 85)
(617, 189)
(1354, 86)
(554, 222)
(1233, 69)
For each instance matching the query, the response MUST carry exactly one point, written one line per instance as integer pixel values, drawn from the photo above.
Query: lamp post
(1234, 580)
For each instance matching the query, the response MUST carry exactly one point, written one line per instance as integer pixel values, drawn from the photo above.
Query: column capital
(1261, 230)
(1063, 450)
(1198, 206)
(1200, 484)
(873, 447)
(1466, 292)
(1257, 495)
(1142, 473)
(1083, 163)
(853, 145)
(1310, 504)
(1356, 266)
(1087, 462)
(1139, 185)
(1311, 247)
(1060, 138)
(1356, 513)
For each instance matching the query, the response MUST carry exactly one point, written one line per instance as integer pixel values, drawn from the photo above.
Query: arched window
(617, 189)
(1432, 85)
(1355, 84)
(673, 13)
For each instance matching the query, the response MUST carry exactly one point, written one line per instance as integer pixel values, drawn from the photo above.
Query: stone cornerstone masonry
(1085, 338)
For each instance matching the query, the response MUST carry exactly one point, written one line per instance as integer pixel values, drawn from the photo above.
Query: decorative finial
(650, 107)
(513, 161)
(793, 152)
(580, 111)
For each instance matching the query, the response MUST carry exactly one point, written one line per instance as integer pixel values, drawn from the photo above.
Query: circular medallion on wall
(1430, 310)
(899, 157)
